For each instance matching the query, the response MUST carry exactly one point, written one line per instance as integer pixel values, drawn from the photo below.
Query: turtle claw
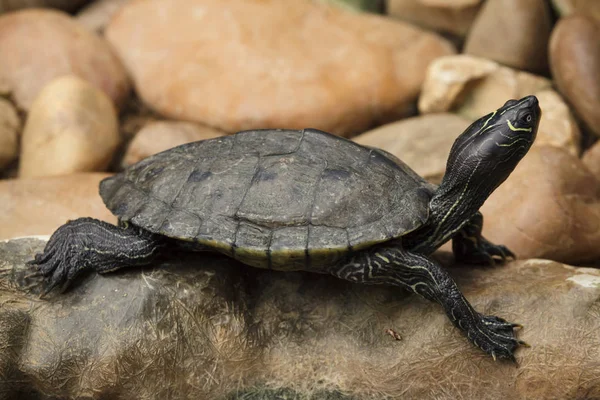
(483, 252)
(495, 336)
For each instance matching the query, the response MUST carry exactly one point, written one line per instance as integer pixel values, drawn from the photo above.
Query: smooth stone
(512, 32)
(422, 142)
(98, 14)
(549, 207)
(163, 135)
(591, 159)
(454, 17)
(71, 127)
(10, 125)
(243, 65)
(66, 5)
(37, 206)
(39, 45)
(473, 87)
(154, 332)
(575, 65)
(564, 8)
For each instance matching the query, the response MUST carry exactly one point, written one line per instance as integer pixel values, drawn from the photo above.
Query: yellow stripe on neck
(512, 128)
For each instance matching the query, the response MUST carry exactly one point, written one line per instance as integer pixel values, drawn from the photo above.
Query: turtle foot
(496, 337)
(481, 251)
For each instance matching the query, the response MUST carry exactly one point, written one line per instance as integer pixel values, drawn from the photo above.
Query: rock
(96, 15)
(591, 159)
(37, 206)
(512, 32)
(422, 142)
(549, 207)
(473, 87)
(66, 5)
(37, 46)
(72, 127)
(243, 65)
(155, 332)
(575, 64)
(454, 17)
(591, 8)
(162, 135)
(10, 125)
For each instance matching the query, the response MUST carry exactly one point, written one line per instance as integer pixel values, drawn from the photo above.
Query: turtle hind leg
(419, 274)
(470, 247)
(90, 244)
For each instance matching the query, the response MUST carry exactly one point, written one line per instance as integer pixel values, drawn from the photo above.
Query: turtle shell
(281, 199)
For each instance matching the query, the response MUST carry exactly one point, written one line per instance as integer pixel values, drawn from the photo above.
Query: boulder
(39, 45)
(10, 125)
(202, 326)
(591, 159)
(449, 16)
(37, 206)
(243, 65)
(512, 32)
(422, 142)
(472, 87)
(71, 127)
(575, 64)
(585, 7)
(549, 207)
(163, 135)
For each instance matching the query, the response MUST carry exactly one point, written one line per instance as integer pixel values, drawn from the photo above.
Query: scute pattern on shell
(272, 198)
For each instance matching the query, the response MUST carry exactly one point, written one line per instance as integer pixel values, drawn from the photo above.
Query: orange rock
(38, 206)
(575, 65)
(272, 63)
(549, 207)
(37, 46)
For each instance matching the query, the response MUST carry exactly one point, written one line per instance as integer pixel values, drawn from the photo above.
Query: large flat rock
(206, 327)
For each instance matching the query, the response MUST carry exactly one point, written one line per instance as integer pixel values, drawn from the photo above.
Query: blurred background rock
(88, 88)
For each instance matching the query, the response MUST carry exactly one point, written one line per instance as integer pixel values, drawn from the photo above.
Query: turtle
(290, 200)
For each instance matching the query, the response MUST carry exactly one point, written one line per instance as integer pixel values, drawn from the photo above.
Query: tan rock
(591, 159)
(455, 17)
(162, 135)
(590, 8)
(269, 335)
(37, 206)
(67, 5)
(37, 46)
(549, 207)
(575, 64)
(472, 87)
(512, 32)
(72, 127)
(422, 142)
(243, 65)
(10, 125)
(97, 14)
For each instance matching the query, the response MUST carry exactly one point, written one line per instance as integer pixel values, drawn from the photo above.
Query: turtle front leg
(470, 247)
(90, 244)
(421, 275)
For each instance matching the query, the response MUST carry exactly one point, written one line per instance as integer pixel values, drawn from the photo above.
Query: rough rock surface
(10, 125)
(245, 65)
(575, 64)
(38, 206)
(37, 46)
(512, 32)
(591, 159)
(549, 207)
(162, 135)
(585, 7)
(205, 327)
(453, 17)
(71, 127)
(422, 142)
(472, 87)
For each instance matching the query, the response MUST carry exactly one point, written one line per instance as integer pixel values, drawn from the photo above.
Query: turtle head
(489, 150)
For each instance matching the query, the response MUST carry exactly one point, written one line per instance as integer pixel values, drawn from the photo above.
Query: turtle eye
(527, 118)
